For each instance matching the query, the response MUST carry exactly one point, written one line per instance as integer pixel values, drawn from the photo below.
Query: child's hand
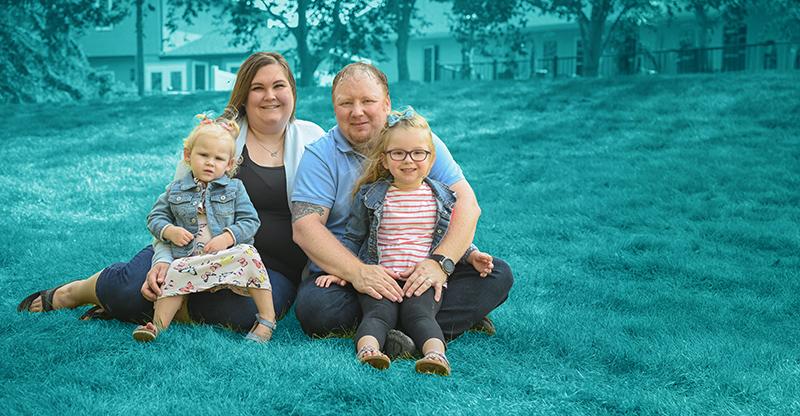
(482, 262)
(177, 235)
(327, 279)
(220, 242)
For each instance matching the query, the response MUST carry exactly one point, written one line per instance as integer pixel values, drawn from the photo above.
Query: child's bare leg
(165, 310)
(433, 360)
(368, 340)
(263, 300)
(433, 345)
(71, 295)
(368, 351)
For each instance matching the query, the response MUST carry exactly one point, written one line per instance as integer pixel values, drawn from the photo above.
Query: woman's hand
(328, 279)
(177, 235)
(218, 243)
(423, 276)
(151, 288)
(482, 262)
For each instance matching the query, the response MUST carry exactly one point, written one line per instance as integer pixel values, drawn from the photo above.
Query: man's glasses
(400, 155)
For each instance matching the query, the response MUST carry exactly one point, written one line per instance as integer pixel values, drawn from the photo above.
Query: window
(550, 56)
(734, 39)
(770, 55)
(199, 77)
(156, 83)
(175, 81)
(431, 64)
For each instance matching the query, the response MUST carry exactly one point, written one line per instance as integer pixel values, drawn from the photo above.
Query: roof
(218, 43)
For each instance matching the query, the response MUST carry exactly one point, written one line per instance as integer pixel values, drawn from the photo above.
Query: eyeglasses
(399, 155)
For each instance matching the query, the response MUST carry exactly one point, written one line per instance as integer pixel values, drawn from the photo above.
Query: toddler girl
(209, 222)
(398, 218)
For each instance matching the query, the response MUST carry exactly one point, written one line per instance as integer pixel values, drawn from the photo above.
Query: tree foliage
(39, 57)
(333, 31)
(486, 26)
(594, 16)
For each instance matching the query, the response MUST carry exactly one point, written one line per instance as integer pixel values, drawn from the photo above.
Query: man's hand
(218, 243)
(177, 235)
(328, 279)
(378, 282)
(151, 288)
(423, 276)
(482, 262)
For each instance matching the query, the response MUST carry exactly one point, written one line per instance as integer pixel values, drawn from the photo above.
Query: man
(321, 205)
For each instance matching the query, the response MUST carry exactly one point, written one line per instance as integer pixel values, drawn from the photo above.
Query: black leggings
(417, 316)
(467, 299)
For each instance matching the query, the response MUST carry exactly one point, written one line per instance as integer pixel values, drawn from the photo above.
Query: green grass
(653, 225)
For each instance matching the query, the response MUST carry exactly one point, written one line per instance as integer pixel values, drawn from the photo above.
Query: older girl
(398, 218)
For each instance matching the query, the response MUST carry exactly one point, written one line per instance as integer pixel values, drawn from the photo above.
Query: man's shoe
(485, 325)
(398, 345)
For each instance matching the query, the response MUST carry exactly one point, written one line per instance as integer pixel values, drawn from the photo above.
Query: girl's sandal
(433, 363)
(251, 336)
(146, 333)
(376, 359)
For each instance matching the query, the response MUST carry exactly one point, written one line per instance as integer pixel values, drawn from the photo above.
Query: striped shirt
(406, 230)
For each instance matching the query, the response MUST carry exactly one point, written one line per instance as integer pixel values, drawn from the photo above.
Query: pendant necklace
(271, 153)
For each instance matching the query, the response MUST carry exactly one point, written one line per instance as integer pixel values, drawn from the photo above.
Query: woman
(270, 144)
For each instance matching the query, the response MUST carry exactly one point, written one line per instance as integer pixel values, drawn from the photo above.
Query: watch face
(448, 266)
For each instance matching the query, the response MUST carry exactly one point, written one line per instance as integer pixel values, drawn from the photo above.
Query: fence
(753, 57)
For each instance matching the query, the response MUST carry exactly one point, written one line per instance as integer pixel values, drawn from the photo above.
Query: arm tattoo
(301, 209)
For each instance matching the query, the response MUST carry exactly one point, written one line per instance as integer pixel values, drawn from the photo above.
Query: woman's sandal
(251, 336)
(433, 363)
(47, 300)
(367, 354)
(146, 333)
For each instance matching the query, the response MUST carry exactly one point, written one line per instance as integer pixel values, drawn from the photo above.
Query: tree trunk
(705, 24)
(405, 8)
(466, 62)
(140, 47)
(593, 41)
(306, 58)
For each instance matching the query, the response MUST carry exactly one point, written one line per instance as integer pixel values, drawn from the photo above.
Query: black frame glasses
(399, 155)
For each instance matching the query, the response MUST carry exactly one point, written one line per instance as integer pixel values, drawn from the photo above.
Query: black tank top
(266, 187)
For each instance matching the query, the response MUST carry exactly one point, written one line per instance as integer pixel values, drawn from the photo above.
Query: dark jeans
(118, 289)
(466, 300)
(417, 315)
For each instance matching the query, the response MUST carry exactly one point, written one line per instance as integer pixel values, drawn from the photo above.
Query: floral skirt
(237, 268)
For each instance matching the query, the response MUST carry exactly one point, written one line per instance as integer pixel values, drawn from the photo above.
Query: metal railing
(768, 56)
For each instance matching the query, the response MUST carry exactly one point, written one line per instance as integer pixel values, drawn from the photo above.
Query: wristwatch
(445, 263)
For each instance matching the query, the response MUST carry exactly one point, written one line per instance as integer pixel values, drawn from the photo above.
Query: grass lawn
(652, 223)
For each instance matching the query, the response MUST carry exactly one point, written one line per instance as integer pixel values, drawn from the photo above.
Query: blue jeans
(466, 300)
(118, 289)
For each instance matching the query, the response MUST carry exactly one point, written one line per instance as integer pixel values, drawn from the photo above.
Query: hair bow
(395, 118)
(206, 117)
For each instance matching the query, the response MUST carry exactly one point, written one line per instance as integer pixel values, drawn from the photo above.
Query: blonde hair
(361, 68)
(373, 167)
(220, 127)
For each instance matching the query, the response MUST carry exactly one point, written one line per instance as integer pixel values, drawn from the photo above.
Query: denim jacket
(227, 207)
(361, 231)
